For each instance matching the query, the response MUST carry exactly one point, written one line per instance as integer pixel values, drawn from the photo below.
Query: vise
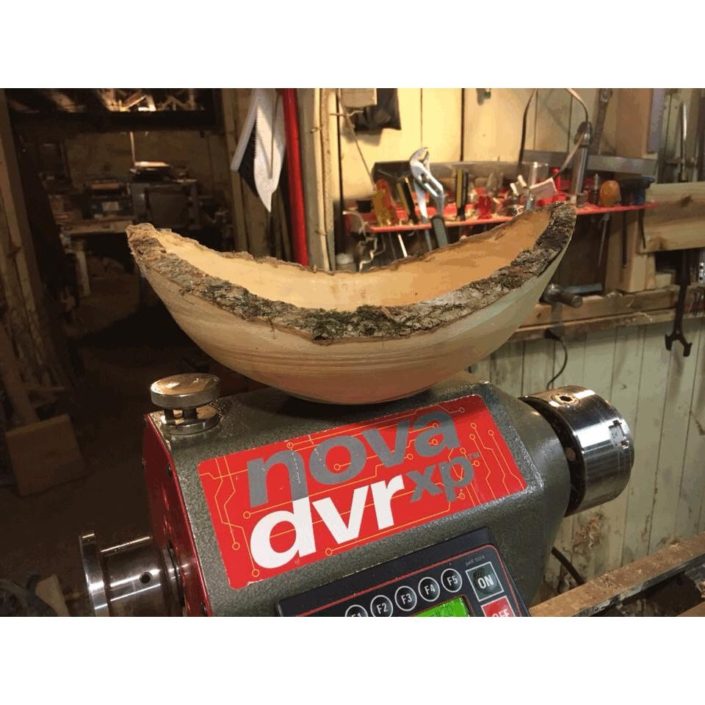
(446, 503)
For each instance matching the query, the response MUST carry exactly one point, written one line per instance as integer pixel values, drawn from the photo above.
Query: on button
(484, 581)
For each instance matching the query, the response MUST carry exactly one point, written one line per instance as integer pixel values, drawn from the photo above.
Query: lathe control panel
(461, 577)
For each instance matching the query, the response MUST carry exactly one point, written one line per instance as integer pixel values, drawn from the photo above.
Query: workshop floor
(41, 531)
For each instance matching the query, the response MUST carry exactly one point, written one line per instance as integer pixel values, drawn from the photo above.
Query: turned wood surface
(354, 338)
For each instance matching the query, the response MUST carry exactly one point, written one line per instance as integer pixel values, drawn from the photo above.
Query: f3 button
(405, 597)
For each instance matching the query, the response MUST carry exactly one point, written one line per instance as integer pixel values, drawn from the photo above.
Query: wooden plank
(313, 177)
(481, 370)
(639, 271)
(624, 395)
(440, 123)
(573, 372)
(692, 489)
(651, 401)
(633, 115)
(537, 365)
(22, 249)
(506, 368)
(573, 329)
(44, 454)
(231, 137)
(613, 304)
(387, 145)
(12, 381)
(589, 529)
(697, 611)
(256, 214)
(678, 221)
(622, 583)
(673, 441)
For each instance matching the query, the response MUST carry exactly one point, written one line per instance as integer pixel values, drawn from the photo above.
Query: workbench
(614, 310)
(683, 559)
(77, 233)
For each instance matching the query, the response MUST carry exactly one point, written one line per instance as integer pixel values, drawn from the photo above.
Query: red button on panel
(498, 608)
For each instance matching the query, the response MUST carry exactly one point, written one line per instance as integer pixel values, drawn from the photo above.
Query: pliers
(425, 182)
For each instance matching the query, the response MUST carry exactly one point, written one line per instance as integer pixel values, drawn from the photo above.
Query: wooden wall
(662, 397)
(492, 128)
(430, 117)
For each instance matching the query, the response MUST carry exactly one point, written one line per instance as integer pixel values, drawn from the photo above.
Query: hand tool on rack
(557, 294)
(604, 221)
(583, 139)
(461, 193)
(383, 205)
(604, 98)
(625, 254)
(682, 161)
(683, 283)
(406, 200)
(425, 182)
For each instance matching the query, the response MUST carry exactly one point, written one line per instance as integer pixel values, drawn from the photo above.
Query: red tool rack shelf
(450, 214)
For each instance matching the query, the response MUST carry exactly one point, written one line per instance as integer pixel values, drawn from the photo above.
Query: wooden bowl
(357, 338)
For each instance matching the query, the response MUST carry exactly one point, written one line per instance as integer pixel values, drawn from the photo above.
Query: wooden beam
(633, 117)
(612, 311)
(230, 123)
(20, 246)
(697, 611)
(678, 221)
(12, 381)
(618, 585)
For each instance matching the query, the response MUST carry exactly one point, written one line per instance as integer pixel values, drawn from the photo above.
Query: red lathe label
(294, 502)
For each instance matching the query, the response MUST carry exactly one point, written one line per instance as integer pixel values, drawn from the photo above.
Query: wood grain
(589, 530)
(673, 433)
(44, 454)
(652, 397)
(351, 338)
(572, 374)
(692, 489)
(627, 581)
(678, 221)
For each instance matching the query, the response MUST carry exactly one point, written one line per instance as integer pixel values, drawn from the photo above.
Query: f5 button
(451, 579)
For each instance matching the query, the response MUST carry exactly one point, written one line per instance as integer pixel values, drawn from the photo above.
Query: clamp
(425, 182)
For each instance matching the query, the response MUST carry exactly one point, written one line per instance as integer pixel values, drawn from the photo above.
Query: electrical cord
(581, 101)
(554, 336)
(574, 94)
(523, 128)
(561, 557)
(565, 562)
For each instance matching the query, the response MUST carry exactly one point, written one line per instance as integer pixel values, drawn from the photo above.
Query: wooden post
(12, 381)
(231, 137)
(20, 248)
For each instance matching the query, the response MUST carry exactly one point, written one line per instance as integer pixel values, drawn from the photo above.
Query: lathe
(445, 503)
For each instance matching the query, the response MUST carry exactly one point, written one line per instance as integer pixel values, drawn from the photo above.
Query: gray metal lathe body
(524, 525)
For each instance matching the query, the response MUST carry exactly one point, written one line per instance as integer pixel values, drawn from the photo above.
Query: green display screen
(453, 608)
